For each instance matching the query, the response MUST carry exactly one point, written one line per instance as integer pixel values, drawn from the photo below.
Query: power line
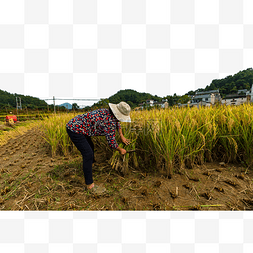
(80, 99)
(71, 99)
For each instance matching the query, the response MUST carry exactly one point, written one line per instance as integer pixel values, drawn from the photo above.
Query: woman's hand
(124, 140)
(121, 150)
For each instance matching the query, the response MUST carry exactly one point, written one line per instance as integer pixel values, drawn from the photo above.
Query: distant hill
(231, 84)
(67, 105)
(9, 100)
(132, 97)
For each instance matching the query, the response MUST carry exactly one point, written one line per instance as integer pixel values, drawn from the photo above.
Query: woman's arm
(123, 139)
(120, 132)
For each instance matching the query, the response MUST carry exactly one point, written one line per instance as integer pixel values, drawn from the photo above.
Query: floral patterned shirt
(98, 122)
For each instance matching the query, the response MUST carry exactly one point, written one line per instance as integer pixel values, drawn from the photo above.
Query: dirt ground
(30, 179)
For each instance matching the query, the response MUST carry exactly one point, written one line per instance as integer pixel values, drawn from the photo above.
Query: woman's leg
(84, 147)
(88, 138)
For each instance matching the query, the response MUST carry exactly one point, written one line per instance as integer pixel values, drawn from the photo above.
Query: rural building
(208, 98)
(242, 91)
(151, 103)
(241, 97)
(203, 98)
(250, 94)
(211, 97)
(195, 104)
(235, 99)
(163, 104)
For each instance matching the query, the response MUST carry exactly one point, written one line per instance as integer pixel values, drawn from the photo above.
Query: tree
(234, 89)
(131, 104)
(75, 106)
(102, 103)
(170, 100)
(184, 99)
(190, 93)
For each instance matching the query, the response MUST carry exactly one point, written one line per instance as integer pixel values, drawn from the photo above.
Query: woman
(97, 123)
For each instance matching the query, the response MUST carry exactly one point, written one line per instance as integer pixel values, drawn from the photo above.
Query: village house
(211, 97)
(203, 98)
(235, 99)
(152, 103)
(208, 98)
(241, 97)
(163, 104)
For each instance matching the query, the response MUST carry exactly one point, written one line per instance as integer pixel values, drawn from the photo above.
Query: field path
(25, 162)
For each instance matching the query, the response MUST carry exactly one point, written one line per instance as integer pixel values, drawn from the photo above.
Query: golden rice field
(170, 139)
(207, 152)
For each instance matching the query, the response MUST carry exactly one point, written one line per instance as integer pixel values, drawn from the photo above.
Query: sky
(93, 49)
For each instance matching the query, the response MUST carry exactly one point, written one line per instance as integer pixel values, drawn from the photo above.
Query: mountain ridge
(230, 84)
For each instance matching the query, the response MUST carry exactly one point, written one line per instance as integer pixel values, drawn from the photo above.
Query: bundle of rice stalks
(121, 163)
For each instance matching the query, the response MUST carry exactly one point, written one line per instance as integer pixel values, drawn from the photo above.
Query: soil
(31, 179)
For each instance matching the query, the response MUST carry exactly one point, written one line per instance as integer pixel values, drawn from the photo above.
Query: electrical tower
(18, 103)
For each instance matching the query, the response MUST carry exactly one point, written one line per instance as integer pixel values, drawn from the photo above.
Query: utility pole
(18, 104)
(54, 103)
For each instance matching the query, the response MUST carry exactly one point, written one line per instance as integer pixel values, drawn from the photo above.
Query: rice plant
(55, 134)
(165, 139)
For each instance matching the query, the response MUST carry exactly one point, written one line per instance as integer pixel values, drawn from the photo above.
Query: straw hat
(121, 111)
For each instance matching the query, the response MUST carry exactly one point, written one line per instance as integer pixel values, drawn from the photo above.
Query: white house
(235, 99)
(203, 98)
(151, 103)
(242, 96)
(210, 97)
(163, 104)
(194, 104)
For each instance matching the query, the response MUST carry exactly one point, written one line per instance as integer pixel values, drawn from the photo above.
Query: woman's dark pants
(85, 145)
